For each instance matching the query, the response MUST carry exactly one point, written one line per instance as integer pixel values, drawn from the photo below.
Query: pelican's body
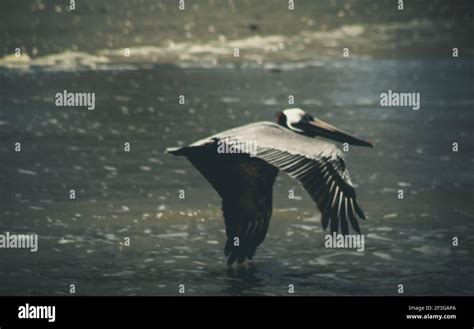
(244, 176)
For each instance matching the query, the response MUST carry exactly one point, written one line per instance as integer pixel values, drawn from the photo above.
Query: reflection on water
(243, 279)
(164, 254)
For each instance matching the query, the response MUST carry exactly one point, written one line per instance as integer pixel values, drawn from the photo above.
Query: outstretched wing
(317, 164)
(327, 181)
(245, 185)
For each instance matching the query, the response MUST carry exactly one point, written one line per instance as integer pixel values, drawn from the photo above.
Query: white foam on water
(68, 60)
(430, 250)
(320, 261)
(384, 228)
(294, 51)
(27, 172)
(305, 227)
(378, 237)
(382, 255)
(229, 99)
(111, 237)
(173, 235)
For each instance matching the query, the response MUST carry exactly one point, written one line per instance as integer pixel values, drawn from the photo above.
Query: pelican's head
(303, 123)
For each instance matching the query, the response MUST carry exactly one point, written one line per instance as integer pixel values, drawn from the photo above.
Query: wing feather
(245, 185)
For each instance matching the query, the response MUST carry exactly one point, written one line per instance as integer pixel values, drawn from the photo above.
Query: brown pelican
(242, 164)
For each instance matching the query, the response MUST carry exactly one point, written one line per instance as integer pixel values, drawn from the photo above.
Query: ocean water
(176, 241)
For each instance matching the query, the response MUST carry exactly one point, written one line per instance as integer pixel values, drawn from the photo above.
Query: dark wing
(326, 180)
(245, 185)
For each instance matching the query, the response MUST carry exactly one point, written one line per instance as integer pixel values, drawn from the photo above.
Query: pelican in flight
(242, 164)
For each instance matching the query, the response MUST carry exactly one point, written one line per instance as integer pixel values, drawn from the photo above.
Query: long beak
(320, 128)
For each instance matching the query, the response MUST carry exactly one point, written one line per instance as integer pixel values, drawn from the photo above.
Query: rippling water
(177, 241)
(173, 241)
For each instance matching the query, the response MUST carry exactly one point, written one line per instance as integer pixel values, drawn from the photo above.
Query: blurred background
(191, 52)
(209, 30)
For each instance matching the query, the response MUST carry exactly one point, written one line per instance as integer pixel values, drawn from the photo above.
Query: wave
(68, 60)
(272, 51)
